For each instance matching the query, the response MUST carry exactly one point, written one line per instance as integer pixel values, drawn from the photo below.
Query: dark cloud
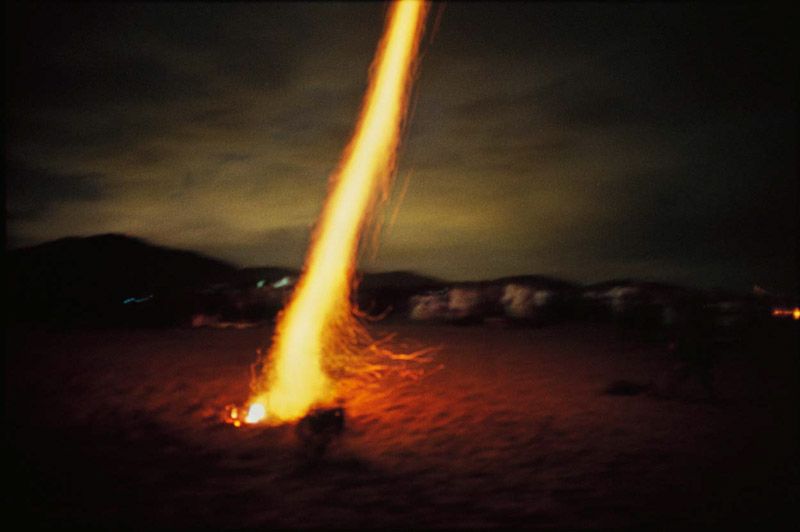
(86, 54)
(30, 192)
(282, 245)
(581, 139)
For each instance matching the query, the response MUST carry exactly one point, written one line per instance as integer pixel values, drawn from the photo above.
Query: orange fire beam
(320, 310)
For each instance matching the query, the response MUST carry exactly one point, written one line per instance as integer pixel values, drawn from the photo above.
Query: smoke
(521, 301)
(620, 298)
(454, 304)
(464, 302)
(429, 307)
(458, 303)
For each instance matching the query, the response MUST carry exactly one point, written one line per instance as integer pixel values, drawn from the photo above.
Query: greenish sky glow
(587, 141)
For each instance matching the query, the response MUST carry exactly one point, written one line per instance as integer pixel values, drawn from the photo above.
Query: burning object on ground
(253, 415)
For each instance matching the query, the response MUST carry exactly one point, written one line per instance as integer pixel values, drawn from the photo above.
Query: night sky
(587, 141)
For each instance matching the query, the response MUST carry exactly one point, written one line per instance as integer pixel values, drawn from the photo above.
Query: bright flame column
(320, 305)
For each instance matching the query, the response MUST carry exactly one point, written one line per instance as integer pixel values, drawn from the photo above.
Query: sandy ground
(123, 428)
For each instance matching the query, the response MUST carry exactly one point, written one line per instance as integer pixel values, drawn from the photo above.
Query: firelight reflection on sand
(319, 313)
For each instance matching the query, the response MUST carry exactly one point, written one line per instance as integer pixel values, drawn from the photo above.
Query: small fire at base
(232, 416)
(322, 422)
(253, 415)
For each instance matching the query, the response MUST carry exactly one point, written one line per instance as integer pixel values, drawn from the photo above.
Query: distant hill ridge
(88, 277)
(112, 260)
(114, 278)
(122, 263)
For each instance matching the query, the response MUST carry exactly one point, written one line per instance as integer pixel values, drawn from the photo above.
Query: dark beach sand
(123, 428)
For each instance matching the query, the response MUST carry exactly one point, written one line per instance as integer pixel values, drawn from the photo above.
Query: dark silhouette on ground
(318, 429)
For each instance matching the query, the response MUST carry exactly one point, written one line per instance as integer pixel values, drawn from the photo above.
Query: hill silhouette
(121, 280)
(118, 279)
(90, 278)
(400, 279)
